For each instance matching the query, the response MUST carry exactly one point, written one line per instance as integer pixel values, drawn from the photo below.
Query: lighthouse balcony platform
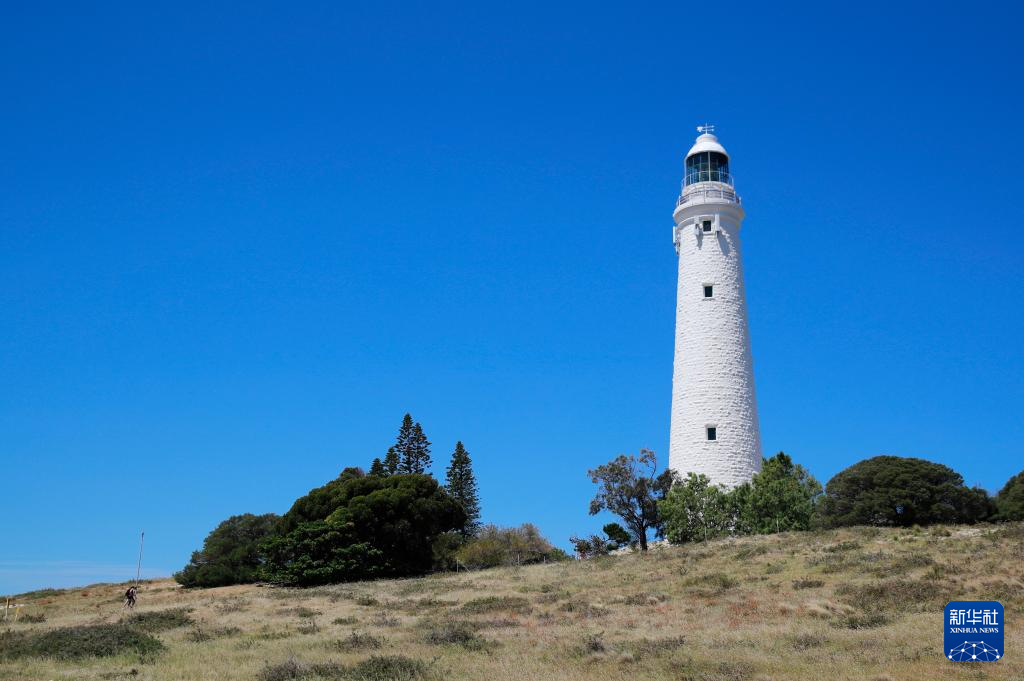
(708, 192)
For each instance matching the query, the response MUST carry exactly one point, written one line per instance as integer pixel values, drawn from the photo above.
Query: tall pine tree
(461, 485)
(377, 468)
(391, 461)
(416, 457)
(403, 442)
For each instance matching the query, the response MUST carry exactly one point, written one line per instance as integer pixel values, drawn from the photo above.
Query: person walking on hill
(129, 598)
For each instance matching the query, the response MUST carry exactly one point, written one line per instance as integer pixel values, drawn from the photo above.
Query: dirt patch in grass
(74, 643)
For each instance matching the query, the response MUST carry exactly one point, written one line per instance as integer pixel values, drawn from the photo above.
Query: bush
(780, 498)
(455, 633)
(230, 554)
(892, 595)
(898, 491)
(496, 546)
(357, 641)
(159, 620)
(1010, 500)
(696, 510)
(362, 527)
(74, 643)
(388, 668)
(590, 547)
(807, 583)
(479, 606)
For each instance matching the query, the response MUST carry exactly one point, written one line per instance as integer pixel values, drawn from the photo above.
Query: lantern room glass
(707, 166)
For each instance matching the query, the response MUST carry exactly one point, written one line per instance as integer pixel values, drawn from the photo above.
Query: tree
(696, 510)
(403, 440)
(900, 491)
(230, 553)
(416, 457)
(391, 461)
(617, 535)
(411, 451)
(377, 468)
(361, 527)
(1010, 500)
(780, 498)
(460, 482)
(590, 547)
(629, 488)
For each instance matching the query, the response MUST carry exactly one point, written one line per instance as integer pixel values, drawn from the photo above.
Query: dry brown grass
(844, 605)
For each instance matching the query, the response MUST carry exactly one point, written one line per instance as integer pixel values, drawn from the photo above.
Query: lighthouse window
(709, 291)
(712, 433)
(707, 166)
(706, 226)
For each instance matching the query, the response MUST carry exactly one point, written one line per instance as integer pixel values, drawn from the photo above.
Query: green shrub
(357, 641)
(73, 643)
(199, 635)
(718, 581)
(230, 553)
(495, 546)
(388, 668)
(751, 551)
(644, 598)
(585, 608)
(515, 604)
(892, 595)
(869, 620)
(594, 643)
(842, 547)
(1010, 500)
(159, 620)
(900, 491)
(807, 583)
(647, 647)
(455, 632)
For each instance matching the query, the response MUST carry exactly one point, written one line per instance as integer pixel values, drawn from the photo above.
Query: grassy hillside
(850, 604)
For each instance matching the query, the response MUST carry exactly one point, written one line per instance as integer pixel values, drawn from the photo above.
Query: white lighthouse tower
(714, 427)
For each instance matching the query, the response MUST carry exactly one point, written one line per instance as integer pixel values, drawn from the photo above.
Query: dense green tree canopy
(1010, 500)
(359, 527)
(780, 498)
(900, 491)
(696, 510)
(230, 553)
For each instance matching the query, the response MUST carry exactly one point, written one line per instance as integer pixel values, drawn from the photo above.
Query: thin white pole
(138, 570)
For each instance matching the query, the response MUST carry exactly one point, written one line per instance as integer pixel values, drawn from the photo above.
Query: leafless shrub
(358, 641)
(579, 606)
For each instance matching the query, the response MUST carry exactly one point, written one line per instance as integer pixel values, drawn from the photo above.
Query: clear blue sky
(237, 245)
